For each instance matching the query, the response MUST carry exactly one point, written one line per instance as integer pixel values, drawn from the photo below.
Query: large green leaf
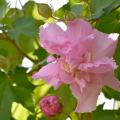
(24, 25)
(73, 10)
(22, 88)
(115, 4)
(6, 97)
(98, 6)
(113, 25)
(11, 16)
(27, 41)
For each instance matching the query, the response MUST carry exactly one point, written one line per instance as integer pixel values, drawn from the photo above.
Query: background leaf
(6, 97)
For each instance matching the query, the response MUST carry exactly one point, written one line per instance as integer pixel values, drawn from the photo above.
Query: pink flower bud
(50, 105)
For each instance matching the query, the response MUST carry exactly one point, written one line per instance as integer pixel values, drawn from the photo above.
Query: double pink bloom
(86, 60)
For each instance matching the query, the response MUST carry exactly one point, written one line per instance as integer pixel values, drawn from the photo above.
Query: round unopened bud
(50, 105)
(44, 10)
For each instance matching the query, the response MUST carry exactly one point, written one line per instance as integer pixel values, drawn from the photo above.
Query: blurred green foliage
(19, 38)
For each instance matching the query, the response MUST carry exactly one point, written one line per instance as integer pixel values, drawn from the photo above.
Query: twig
(15, 3)
(21, 4)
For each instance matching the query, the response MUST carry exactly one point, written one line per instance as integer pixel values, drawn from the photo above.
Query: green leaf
(63, 11)
(10, 54)
(6, 97)
(98, 6)
(11, 16)
(110, 93)
(26, 26)
(80, 9)
(4, 63)
(101, 114)
(117, 54)
(44, 10)
(3, 8)
(113, 25)
(75, 1)
(27, 41)
(70, 11)
(113, 5)
(28, 8)
(77, 9)
(22, 88)
(117, 60)
(31, 117)
(41, 53)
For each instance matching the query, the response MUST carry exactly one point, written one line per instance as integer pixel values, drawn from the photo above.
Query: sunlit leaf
(3, 8)
(22, 88)
(29, 8)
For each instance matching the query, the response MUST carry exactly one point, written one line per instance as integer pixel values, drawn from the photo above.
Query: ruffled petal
(80, 51)
(47, 71)
(50, 74)
(99, 66)
(109, 80)
(104, 44)
(66, 77)
(54, 81)
(86, 100)
(87, 97)
(52, 38)
(77, 29)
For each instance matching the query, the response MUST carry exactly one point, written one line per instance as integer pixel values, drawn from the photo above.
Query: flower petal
(50, 74)
(99, 66)
(80, 51)
(104, 44)
(66, 77)
(77, 29)
(52, 38)
(109, 80)
(88, 98)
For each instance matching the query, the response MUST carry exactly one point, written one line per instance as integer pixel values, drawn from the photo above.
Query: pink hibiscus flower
(86, 60)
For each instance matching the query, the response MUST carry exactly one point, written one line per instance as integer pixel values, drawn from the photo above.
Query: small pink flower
(86, 60)
(50, 105)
